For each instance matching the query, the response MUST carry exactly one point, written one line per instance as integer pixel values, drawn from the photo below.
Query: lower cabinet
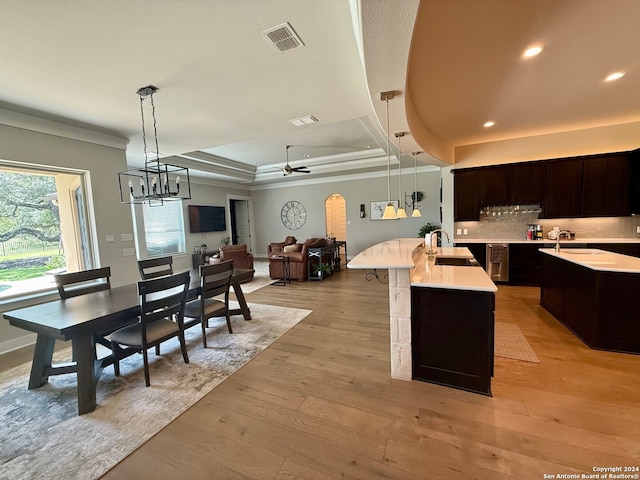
(452, 335)
(478, 250)
(596, 305)
(525, 264)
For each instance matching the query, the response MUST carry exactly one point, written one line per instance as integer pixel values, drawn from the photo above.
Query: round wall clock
(293, 215)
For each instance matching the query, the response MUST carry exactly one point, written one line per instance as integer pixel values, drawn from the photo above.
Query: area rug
(511, 343)
(44, 438)
(260, 278)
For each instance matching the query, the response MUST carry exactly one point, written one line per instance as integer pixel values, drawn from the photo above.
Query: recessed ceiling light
(366, 146)
(614, 76)
(489, 124)
(532, 51)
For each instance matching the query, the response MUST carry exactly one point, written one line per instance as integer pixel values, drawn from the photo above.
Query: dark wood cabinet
(529, 183)
(552, 281)
(525, 264)
(606, 186)
(589, 186)
(496, 185)
(564, 189)
(634, 189)
(593, 304)
(478, 250)
(452, 337)
(466, 205)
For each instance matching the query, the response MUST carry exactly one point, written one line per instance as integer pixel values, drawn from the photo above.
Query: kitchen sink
(457, 261)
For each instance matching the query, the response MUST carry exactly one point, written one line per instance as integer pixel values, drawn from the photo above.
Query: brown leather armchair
(298, 258)
(239, 254)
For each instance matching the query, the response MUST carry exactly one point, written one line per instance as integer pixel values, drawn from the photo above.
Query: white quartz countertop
(396, 253)
(596, 259)
(580, 241)
(400, 253)
(426, 274)
(410, 253)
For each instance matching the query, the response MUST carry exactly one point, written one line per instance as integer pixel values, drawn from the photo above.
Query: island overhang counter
(409, 267)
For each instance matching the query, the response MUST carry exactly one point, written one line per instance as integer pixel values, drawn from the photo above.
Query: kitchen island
(427, 299)
(592, 293)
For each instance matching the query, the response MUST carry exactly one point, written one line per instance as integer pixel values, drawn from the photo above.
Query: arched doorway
(335, 209)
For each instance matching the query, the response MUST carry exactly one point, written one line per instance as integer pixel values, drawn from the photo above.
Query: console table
(327, 255)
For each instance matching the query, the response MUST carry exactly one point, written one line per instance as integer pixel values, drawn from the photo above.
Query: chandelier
(156, 182)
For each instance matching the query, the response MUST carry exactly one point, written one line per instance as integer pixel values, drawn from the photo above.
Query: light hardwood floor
(319, 404)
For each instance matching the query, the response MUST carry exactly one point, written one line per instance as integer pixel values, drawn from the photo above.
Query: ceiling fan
(288, 170)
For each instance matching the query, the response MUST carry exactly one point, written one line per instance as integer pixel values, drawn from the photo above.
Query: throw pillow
(290, 248)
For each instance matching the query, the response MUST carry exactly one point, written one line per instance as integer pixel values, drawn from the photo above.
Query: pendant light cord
(144, 133)
(388, 157)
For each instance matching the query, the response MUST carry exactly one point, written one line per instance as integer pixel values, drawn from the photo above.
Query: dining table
(83, 317)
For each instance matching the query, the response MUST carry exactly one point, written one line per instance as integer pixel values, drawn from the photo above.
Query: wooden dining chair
(162, 303)
(73, 284)
(215, 280)
(155, 267)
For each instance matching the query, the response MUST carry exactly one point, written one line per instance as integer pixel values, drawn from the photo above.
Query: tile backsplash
(514, 226)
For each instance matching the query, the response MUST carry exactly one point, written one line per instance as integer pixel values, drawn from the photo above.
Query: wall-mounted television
(204, 218)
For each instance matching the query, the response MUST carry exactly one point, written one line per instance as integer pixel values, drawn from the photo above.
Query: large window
(43, 228)
(162, 230)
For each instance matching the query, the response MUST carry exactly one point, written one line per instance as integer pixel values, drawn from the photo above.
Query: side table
(286, 269)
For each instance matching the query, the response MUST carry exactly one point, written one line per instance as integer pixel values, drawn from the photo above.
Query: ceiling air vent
(283, 37)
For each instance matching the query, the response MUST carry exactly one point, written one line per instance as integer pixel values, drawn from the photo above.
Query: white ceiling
(226, 95)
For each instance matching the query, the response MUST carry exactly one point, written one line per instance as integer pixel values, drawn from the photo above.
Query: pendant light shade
(416, 212)
(389, 211)
(401, 212)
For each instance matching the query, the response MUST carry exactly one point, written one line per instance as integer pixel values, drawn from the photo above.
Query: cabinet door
(525, 264)
(478, 250)
(564, 189)
(606, 185)
(529, 183)
(496, 185)
(465, 196)
(552, 285)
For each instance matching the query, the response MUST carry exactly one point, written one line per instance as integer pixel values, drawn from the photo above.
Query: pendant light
(416, 212)
(389, 211)
(401, 212)
(156, 182)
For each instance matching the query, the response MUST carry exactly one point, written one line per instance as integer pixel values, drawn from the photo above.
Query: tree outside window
(34, 241)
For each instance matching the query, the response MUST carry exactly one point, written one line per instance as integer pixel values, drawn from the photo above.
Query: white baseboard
(16, 343)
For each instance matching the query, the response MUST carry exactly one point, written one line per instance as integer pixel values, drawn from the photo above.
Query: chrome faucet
(558, 239)
(433, 232)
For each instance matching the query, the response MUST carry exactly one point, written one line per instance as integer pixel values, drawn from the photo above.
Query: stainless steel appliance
(498, 261)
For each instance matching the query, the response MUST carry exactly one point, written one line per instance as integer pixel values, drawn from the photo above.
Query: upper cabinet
(590, 186)
(606, 183)
(564, 189)
(466, 191)
(529, 183)
(496, 185)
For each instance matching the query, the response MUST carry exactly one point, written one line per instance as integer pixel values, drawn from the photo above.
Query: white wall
(205, 192)
(590, 141)
(111, 217)
(361, 232)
